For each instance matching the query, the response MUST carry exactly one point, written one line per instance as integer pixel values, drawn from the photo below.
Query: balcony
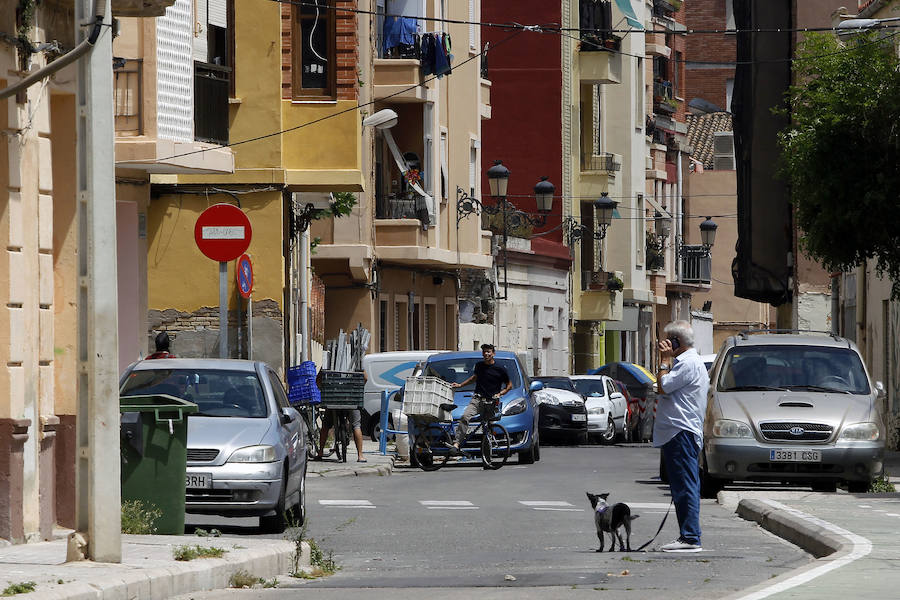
(606, 162)
(656, 45)
(140, 8)
(395, 76)
(601, 305)
(696, 265)
(127, 95)
(599, 67)
(211, 83)
(485, 104)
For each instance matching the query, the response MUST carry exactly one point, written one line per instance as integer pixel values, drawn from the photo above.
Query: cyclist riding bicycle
(491, 382)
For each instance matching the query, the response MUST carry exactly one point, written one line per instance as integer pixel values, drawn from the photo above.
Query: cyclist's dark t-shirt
(489, 379)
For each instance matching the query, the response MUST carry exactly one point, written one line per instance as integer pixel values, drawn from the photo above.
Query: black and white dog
(609, 519)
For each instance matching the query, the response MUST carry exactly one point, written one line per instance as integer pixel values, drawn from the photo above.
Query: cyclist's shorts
(328, 419)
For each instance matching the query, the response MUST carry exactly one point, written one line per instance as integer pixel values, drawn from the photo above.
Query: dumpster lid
(155, 402)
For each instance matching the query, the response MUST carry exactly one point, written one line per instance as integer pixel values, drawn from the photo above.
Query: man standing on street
(162, 346)
(490, 380)
(683, 382)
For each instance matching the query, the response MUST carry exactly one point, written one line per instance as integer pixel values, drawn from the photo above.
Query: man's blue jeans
(680, 457)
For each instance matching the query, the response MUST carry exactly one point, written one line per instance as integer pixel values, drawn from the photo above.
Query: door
(292, 435)
(617, 400)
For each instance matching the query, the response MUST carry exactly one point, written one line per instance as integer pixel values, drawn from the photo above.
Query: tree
(841, 153)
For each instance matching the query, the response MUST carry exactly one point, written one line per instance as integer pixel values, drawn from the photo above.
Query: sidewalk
(854, 537)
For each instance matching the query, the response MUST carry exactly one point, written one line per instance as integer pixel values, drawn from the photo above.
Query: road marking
(860, 547)
(347, 503)
(892, 514)
(557, 505)
(448, 505)
(865, 506)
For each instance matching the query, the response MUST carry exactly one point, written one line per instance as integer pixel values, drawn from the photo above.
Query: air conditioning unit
(723, 151)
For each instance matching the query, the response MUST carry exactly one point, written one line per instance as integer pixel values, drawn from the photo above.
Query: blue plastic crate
(305, 370)
(305, 391)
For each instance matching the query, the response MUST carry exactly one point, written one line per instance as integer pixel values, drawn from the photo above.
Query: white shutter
(175, 73)
(473, 40)
(444, 179)
(201, 47)
(473, 169)
(218, 14)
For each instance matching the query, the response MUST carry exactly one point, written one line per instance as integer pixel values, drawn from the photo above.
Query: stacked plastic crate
(302, 388)
(342, 389)
(423, 398)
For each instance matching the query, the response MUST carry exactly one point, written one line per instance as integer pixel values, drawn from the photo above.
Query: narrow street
(524, 527)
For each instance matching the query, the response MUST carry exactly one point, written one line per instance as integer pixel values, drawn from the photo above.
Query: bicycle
(311, 418)
(432, 444)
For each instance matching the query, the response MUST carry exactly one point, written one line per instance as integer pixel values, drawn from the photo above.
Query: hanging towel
(441, 55)
(399, 31)
(428, 52)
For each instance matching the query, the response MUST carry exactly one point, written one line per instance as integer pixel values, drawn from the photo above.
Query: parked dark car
(562, 409)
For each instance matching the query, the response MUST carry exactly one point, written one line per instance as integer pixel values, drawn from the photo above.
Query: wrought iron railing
(211, 83)
(395, 208)
(127, 96)
(696, 264)
(600, 162)
(662, 90)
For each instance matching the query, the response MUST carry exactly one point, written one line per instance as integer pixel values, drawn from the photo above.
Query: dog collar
(602, 509)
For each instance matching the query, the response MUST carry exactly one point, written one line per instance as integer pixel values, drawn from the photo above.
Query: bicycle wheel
(433, 437)
(341, 436)
(494, 446)
(312, 430)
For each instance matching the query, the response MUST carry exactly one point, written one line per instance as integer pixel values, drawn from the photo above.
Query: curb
(165, 582)
(380, 470)
(814, 539)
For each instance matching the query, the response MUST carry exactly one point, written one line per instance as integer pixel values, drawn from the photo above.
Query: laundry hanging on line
(436, 57)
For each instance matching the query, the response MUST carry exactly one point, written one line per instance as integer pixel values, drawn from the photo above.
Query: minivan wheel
(709, 485)
(858, 487)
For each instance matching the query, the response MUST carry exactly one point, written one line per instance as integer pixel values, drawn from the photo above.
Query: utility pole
(97, 469)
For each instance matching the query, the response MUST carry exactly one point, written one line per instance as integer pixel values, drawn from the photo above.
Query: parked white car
(606, 406)
(386, 372)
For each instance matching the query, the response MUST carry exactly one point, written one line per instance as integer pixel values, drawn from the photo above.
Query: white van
(386, 371)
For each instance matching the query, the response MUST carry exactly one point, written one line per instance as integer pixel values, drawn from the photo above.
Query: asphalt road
(466, 532)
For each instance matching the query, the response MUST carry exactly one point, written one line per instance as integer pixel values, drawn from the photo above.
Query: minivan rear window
(790, 367)
(457, 370)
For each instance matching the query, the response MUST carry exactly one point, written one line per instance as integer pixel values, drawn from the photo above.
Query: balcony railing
(601, 162)
(696, 264)
(211, 83)
(395, 208)
(127, 94)
(662, 90)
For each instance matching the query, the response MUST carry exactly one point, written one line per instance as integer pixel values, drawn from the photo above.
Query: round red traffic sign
(244, 274)
(222, 232)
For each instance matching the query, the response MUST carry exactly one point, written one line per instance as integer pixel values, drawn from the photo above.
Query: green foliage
(204, 533)
(320, 563)
(245, 579)
(841, 152)
(25, 14)
(656, 258)
(343, 204)
(186, 553)
(882, 484)
(138, 518)
(19, 588)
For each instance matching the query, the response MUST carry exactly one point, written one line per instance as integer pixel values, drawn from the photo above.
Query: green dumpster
(154, 455)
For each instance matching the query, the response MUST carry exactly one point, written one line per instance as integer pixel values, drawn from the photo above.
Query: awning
(628, 11)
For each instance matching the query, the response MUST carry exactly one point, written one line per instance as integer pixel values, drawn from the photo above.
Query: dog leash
(665, 516)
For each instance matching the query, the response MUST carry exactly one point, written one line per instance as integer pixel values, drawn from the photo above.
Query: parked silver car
(246, 454)
(793, 407)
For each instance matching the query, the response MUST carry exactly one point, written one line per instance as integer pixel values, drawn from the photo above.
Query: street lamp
(853, 26)
(663, 226)
(498, 181)
(605, 206)
(708, 233)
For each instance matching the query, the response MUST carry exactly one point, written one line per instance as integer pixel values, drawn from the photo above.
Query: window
(729, 14)
(313, 64)
(473, 32)
(473, 168)
(676, 86)
(382, 325)
(729, 93)
(444, 186)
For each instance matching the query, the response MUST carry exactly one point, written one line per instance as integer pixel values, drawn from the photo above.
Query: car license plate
(795, 456)
(198, 480)
(579, 417)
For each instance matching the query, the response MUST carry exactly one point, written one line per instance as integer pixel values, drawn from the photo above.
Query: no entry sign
(222, 232)
(244, 276)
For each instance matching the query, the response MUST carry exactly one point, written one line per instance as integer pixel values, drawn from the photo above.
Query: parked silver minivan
(794, 407)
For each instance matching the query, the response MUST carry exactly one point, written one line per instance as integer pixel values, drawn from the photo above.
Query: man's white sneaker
(681, 546)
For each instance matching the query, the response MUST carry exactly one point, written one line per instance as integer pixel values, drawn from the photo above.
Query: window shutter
(473, 41)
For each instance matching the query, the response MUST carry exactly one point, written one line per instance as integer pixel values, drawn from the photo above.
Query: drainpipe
(679, 200)
(64, 60)
(304, 294)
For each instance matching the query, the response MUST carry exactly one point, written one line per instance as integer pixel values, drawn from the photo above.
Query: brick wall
(707, 81)
(346, 50)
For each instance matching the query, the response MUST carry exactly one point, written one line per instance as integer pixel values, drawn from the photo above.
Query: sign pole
(223, 309)
(250, 328)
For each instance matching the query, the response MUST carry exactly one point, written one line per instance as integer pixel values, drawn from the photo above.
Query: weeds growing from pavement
(204, 533)
(882, 484)
(19, 588)
(185, 553)
(321, 565)
(139, 518)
